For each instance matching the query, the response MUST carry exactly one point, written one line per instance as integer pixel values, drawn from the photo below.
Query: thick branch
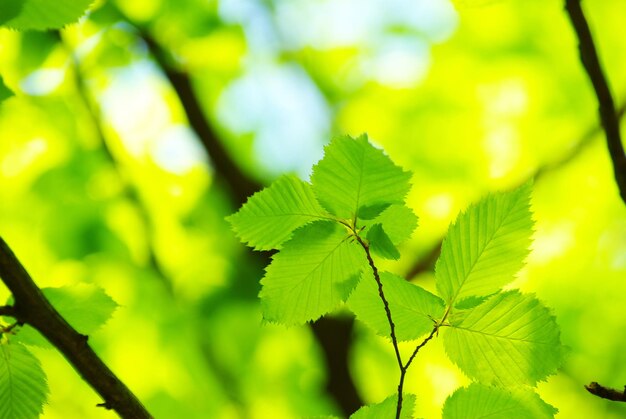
(130, 192)
(333, 334)
(7, 311)
(31, 307)
(606, 392)
(241, 185)
(608, 113)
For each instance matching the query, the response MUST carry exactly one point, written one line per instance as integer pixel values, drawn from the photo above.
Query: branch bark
(31, 307)
(333, 334)
(606, 392)
(608, 113)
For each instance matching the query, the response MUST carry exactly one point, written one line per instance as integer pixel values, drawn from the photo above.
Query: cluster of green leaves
(23, 382)
(505, 341)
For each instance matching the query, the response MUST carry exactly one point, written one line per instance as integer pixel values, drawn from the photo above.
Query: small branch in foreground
(608, 113)
(392, 326)
(606, 392)
(31, 307)
(7, 311)
(394, 340)
(421, 345)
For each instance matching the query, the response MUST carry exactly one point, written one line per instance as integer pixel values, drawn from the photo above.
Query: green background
(103, 181)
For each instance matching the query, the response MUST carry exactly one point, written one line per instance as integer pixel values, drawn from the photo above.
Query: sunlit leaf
(23, 384)
(313, 273)
(510, 339)
(478, 401)
(368, 212)
(486, 246)
(414, 309)
(387, 408)
(85, 307)
(353, 174)
(398, 221)
(271, 215)
(42, 14)
(381, 244)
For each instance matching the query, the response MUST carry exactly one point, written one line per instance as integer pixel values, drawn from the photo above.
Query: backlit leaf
(478, 401)
(387, 408)
(398, 221)
(380, 243)
(510, 339)
(41, 14)
(23, 385)
(314, 272)
(353, 174)
(414, 310)
(271, 215)
(486, 246)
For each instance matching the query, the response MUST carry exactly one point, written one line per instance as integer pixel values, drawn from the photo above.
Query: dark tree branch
(608, 113)
(392, 326)
(606, 392)
(425, 263)
(129, 191)
(583, 142)
(241, 185)
(381, 294)
(334, 335)
(424, 342)
(31, 307)
(7, 311)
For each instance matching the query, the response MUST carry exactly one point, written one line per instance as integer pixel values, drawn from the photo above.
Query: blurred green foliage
(104, 182)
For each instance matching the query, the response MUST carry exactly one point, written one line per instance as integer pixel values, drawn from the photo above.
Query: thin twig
(608, 113)
(392, 326)
(31, 307)
(424, 342)
(381, 294)
(606, 392)
(334, 334)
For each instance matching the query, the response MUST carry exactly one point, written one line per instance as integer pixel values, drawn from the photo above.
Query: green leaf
(510, 339)
(9, 9)
(369, 212)
(5, 92)
(85, 307)
(413, 309)
(353, 174)
(398, 221)
(314, 272)
(486, 246)
(387, 408)
(478, 401)
(23, 385)
(271, 215)
(41, 14)
(381, 244)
